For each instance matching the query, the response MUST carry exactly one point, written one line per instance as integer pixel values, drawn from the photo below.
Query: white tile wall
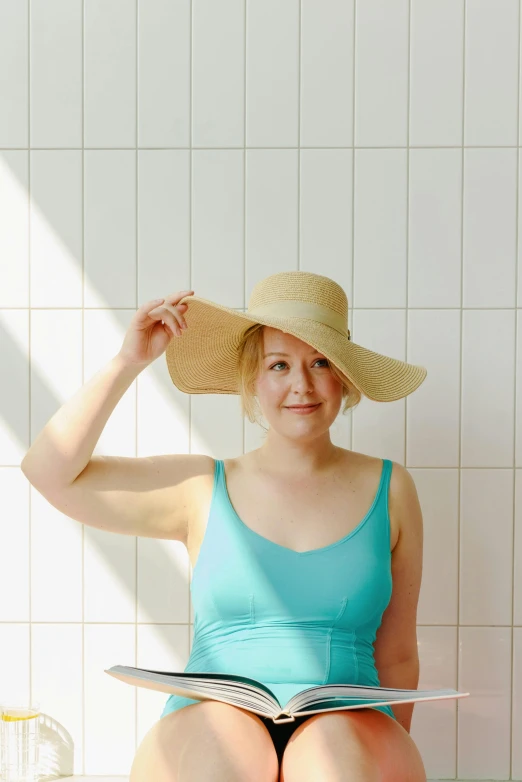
(148, 147)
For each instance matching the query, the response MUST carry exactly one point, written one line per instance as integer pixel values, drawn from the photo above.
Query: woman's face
(293, 373)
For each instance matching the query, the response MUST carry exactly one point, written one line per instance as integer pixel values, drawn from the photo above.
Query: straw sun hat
(311, 307)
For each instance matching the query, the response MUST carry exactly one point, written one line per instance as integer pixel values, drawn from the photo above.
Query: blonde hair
(250, 356)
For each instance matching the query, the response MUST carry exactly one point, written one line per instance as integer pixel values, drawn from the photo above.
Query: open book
(254, 696)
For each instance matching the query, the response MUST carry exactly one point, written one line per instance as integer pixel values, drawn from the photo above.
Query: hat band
(302, 309)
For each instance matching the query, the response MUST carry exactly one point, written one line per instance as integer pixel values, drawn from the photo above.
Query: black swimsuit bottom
(281, 733)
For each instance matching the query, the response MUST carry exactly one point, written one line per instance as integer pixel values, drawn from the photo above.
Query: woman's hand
(152, 327)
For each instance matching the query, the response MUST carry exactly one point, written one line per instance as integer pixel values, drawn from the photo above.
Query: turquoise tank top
(289, 619)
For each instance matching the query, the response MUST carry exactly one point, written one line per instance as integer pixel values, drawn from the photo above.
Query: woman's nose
(302, 383)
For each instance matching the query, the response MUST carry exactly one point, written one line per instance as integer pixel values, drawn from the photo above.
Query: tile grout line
(179, 624)
(514, 473)
(407, 238)
(351, 292)
(271, 148)
(299, 107)
(379, 309)
(191, 86)
(83, 371)
(461, 321)
(30, 504)
(136, 382)
(244, 307)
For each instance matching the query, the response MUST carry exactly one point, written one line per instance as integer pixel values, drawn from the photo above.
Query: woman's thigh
(206, 738)
(365, 744)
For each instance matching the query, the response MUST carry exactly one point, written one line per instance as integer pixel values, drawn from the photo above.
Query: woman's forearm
(405, 676)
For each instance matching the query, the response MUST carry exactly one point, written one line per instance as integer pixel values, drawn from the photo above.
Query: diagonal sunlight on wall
(107, 559)
(103, 335)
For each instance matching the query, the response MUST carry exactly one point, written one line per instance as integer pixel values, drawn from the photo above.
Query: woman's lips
(303, 410)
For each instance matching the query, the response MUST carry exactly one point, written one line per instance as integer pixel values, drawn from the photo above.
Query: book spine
(290, 718)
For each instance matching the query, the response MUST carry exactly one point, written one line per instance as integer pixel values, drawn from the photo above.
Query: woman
(306, 568)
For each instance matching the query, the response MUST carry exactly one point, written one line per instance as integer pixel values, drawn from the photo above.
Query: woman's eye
(284, 362)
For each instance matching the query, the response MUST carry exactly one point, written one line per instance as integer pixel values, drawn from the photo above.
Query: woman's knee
(231, 742)
(156, 757)
(203, 737)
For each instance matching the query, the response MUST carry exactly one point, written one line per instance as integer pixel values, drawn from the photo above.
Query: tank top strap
(219, 478)
(220, 498)
(384, 502)
(386, 476)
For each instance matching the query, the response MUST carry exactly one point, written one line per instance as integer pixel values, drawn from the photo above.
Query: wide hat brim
(204, 359)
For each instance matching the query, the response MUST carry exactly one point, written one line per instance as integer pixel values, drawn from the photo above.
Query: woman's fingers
(175, 313)
(143, 312)
(174, 299)
(170, 311)
(168, 318)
